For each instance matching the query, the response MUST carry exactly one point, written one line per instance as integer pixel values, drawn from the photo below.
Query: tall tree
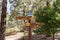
(3, 20)
(48, 16)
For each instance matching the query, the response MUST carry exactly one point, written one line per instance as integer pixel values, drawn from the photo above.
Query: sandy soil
(14, 37)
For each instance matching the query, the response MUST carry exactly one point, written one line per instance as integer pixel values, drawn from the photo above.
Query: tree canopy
(48, 15)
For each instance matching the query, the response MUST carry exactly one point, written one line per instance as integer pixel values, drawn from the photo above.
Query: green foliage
(47, 15)
(11, 31)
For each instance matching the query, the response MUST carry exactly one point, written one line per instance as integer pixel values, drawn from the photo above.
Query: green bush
(47, 15)
(11, 31)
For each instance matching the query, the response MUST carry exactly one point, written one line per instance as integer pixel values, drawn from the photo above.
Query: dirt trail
(20, 35)
(14, 37)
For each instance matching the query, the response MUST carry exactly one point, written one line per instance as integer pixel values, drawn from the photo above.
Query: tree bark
(53, 36)
(3, 20)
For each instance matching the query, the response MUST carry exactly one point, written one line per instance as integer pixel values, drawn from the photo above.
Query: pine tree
(3, 20)
(47, 15)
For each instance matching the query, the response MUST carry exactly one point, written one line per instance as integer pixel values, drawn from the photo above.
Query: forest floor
(14, 37)
(20, 35)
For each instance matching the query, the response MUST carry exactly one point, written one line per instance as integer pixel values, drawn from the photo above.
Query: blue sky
(8, 6)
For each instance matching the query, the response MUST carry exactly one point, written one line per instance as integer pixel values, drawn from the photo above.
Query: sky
(8, 6)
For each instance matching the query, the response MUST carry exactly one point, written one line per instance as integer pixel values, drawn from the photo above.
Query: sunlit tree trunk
(3, 20)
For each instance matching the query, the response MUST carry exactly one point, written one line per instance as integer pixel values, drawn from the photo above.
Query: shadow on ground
(34, 37)
(38, 37)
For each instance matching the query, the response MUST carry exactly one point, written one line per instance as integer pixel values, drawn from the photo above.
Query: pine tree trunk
(53, 36)
(3, 20)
